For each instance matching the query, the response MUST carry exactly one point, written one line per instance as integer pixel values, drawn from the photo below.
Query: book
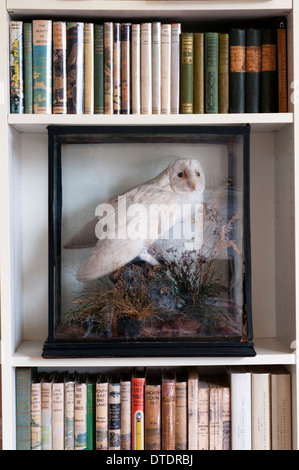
(46, 411)
(203, 414)
(80, 412)
(199, 78)
(261, 409)
(69, 412)
(137, 388)
(166, 68)
(59, 68)
(193, 378)
(226, 414)
(114, 414)
(24, 376)
(42, 66)
(125, 416)
(99, 69)
(168, 410)
(75, 67)
(181, 412)
(281, 414)
(88, 68)
(240, 383)
(108, 67)
(156, 65)
(28, 71)
(282, 65)
(135, 58)
(211, 72)
(175, 67)
(269, 91)
(253, 70)
(90, 411)
(125, 68)
(146, 68)
(186, 72)
(152, 412)
(116, 68)
(102, 413)
(223, 77)
(58, 412)
(36, 414)
(237, 50)
(16, 67)
(215, 415)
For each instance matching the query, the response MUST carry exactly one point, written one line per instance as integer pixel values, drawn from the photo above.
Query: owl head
(186, 176)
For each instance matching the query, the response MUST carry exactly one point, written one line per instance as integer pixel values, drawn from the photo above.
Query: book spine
(192, 411)
(114, 416)
(146, 68)
(108, 67)
(28, 73)
(138, 385)
(89, 68)
(253, 70)
(59, 68)
(282, 65)
(237, 50)
(16, 67)
(215, 419)
(241, 411)
(126, 68)
(23, 407)
(152, 430)
(261, 438)
(58, 415)
(281, 413)
(166, 69)
(125, 407)
(90, 416)
(269, 93)
(102, 416)
(181, 413)
(42, 66)
(203, 418)
(116, 68)
(46, 415)
(69, 418)
(223, 81)
(36, 417)
(199, 73)
(99, 69)
(80, 416)
(168, 414)
(75, 68)
(226, 418)
(211, 72)
(175, 67)
(187, 68)
(156, 67)
(136, 98)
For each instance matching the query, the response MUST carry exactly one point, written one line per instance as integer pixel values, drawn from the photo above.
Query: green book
(27, 34)
(187, 70)
(91, 387)
(223, 79)
(211, 72)
(198, 73)
(24, 376)
(99, 69)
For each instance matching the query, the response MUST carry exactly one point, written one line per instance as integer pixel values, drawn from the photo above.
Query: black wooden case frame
(170, 143)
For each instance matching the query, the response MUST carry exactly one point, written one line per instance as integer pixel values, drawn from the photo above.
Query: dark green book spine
(187, 68)
(211, 72)
(198, 73)
(24, 378)
(269, 90)
(75, 68)
(90, 418)
(253, 70)
(28, 100)
(99, 69)
(237, 41)
(223, 80)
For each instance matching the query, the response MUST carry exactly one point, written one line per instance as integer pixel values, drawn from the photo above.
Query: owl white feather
(181, 183)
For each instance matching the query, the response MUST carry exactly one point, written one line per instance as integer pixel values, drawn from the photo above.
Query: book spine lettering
(138, 385)
(203, 418)
(253, 70)
(237, 70)
(215, 419)
(125, 407)
(80, 416)
(116, 69)
(46, 415)
(199, 73)
(114, 416)
(146, 68)
(108, 67)
(23, 407)
(99, 69)
(89, 68)
(192, 412)
(16, 67)
(90, 416)
(42, 66)
(28, 72)
(156, 67)
(187, 67)
(223, 82)
(36, 417)
(102, 416)
(126, 68)
(75, 68)
(152, 417)
(69, 418)
(211, 72)
(59, 68)
(58, 415)
(136, 98)
(175, 68)
(181, 412)
(168, 414)
(166, 69)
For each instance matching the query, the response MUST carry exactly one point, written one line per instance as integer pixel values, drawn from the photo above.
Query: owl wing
(112, 253)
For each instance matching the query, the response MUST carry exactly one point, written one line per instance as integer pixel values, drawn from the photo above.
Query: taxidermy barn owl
(126, 226)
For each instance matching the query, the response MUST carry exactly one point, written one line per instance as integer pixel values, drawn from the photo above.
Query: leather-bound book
(253, 70)
(269, 92)
(237, 70)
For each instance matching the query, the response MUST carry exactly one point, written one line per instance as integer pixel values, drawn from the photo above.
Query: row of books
(148, 410)
(149, 68)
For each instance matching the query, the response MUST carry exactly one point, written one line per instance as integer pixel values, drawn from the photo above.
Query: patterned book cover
(16, 67)
(102, 413)
(89, 68)
(136, 69)
(116, 69)
(58, 412)
(156, 46)
(187, 71)
(282, 65)
(269, 79)
(75, 68)
(181, 414)
(175, 67)
(211, 72)
(237, 50)
(27, 52)
(24, 376)
(69, 412)
(146, 68)
(36, 414)
(253, 70)
(80, 412)
(168, 412)
(114, 415)
(46, 411)
(126, 68)
(108, 67)
(199, 78)
(125, 407)
(59, 68)
(138, 385)
(99, 69)
(223, 81)
(42, 66)
(166, 68)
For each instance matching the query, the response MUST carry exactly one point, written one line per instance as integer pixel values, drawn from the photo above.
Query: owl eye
(198, 174)
(181, 174)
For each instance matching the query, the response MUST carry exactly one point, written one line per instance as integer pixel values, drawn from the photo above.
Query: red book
(137, 388)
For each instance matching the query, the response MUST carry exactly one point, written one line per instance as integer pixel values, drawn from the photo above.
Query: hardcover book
(136, 103)
(237, 49)
(108, 67)
(168, 410)
(75, 67)
(199, 78)
(156, 48)
(253, 71)
(223, 78)
(187, 71)
(116, 68)
(114, 414)
(138, 408)
(28, 71)
(152, 420)
(146, 68)
(89, 68)
(16, 67)
(102, 413)
(59, 68)
(42, 66)
(211, 72)
(175, 67)
(166, 69)
(99, 69)
(269, 90)
(126, 68)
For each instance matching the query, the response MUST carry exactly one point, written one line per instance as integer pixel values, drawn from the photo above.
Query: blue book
(42, 66)
(24, 376)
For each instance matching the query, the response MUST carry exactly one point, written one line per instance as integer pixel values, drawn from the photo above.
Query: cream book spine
(36, 415)
(89, 68)
(192, 409)
(136, 106)
(281, 414)
(175, 68)
(166, 68)
(261, 409)
(203, 414)
(58, 413)
(125, 414)
(156, 67)
(146, 68)
(240, 383)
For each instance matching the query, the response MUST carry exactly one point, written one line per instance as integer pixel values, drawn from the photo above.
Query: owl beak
(194, 187)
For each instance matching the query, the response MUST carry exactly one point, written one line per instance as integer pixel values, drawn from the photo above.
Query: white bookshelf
(23, 202)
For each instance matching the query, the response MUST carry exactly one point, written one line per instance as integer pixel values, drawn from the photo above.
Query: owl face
(186, 176)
